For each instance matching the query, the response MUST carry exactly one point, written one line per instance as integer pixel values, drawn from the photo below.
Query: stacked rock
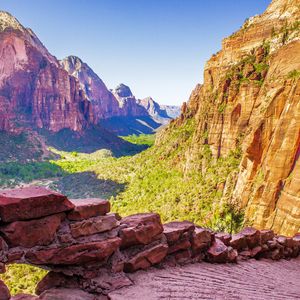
(89, 250)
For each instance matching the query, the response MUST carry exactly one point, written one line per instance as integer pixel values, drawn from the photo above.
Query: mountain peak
(123, 91)
(71, 63)
(9, 21)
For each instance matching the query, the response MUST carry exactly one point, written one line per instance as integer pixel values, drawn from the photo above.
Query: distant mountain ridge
(115, 107)
(39, 92)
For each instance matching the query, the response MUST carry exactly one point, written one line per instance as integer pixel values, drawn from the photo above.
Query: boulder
(218, 252)
(182, 257)
(39, 232)
(31, 203)
(232, 255)
(238, 241)
(224, 237)
(282, 240)
(182, 244)
(75, 254)
(252, 236)
(4, 292)
(255, 251)
(146, 258)
(93, 225)
(175, 230)
(140, 229)
(88, 208)
(266, 235)
(201, 239)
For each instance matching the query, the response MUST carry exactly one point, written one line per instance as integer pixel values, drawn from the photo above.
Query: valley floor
(249, 280)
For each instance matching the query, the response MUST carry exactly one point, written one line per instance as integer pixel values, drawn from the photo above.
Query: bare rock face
(158, 113)
(249, 104)
(104, 104)
(35, 90)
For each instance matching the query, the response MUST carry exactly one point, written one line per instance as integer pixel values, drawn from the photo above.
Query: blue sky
(157, 47)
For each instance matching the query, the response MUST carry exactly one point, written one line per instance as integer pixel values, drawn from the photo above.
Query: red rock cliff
(250, 100)
(34, 89)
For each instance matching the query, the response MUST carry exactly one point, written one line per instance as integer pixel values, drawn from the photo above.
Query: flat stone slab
(75, 254)
(88, 208)
(31, 203)
(248, 280)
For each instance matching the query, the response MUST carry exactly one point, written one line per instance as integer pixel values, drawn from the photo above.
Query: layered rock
(104, 104)
(34, 89)
(248, 106)
(89, 250)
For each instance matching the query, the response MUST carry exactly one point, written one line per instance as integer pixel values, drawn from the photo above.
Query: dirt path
(254, 280)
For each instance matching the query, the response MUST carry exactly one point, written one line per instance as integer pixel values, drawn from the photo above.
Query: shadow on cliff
(89, 141)
(87, 185)
(130, 125)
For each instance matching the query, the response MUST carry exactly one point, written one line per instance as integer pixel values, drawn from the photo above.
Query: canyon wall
(34, 90)
(88, 250)
(249, 105)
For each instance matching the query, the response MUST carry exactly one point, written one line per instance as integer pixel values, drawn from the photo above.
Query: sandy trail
(254, 280)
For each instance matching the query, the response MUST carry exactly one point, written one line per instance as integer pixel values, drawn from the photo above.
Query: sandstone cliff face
(103, 102)
(34, 89)
(249, 103)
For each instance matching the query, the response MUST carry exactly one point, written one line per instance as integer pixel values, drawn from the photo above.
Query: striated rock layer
(89, 251)
(34, 89)
(249, 105)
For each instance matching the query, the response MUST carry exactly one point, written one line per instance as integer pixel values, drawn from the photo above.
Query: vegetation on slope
(142, 139)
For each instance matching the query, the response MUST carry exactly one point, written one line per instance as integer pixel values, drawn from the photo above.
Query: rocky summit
(89, 251)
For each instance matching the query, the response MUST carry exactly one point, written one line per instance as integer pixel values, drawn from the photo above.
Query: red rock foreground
(90, 251)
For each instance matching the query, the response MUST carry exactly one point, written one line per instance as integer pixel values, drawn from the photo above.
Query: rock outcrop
(249, 106)
(90, 250)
